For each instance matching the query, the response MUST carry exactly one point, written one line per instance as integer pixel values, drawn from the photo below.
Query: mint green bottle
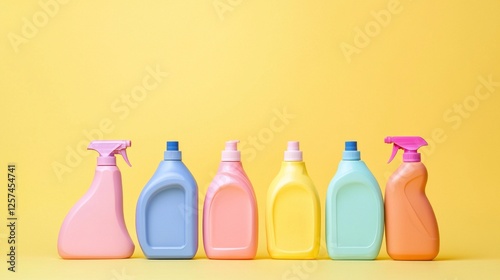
(354, 210)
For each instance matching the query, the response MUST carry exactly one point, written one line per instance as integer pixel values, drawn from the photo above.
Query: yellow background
(234, 67)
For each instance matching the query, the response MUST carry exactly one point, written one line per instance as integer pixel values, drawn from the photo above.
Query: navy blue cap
(351, 151)
(351, 145)
(172, 145)
(172, 152)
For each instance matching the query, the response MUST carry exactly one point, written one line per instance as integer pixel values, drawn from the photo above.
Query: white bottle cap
(293, 153)
(231, 152)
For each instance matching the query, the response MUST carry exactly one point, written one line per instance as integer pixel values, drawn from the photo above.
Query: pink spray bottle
(95, 228)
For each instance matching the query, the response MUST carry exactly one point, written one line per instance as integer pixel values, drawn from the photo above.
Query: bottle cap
(351, 151)
(293, 152)
(231, 152)
(172, 152)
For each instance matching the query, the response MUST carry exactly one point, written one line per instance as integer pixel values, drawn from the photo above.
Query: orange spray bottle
(411, 227)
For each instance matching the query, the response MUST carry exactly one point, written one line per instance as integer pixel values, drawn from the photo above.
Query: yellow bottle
(293, 218)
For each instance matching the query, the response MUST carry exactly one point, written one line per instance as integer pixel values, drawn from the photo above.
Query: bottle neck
(172, 156)
(293, 166)
(106, 161)
(231, 168)
(411, 156)
(351, 156)
(228, 165)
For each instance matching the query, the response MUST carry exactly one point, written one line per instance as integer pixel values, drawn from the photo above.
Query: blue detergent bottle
(354, 210)
(167, 210)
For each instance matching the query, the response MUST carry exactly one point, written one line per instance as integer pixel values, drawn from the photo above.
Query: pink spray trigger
(107, 150)
(124, 155)
(410, 145)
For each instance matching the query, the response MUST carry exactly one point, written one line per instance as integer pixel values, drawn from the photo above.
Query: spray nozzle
(231, 152)
(107, 150)
(410, 145)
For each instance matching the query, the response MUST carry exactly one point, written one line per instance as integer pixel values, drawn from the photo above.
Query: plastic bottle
(354, 210)
(411, 227)
(167, 210)
(293, 214)
(230, 220)
(95, 228)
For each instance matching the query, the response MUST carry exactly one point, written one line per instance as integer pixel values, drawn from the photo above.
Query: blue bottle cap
(172, 152)
(351, 145)
(351, 151)
(172, 145)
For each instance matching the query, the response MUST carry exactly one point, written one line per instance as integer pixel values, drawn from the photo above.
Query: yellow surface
(264, 72)
(138, 268)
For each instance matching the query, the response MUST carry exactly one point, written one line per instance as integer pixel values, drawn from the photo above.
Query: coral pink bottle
(411, 228)
(230, 226)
